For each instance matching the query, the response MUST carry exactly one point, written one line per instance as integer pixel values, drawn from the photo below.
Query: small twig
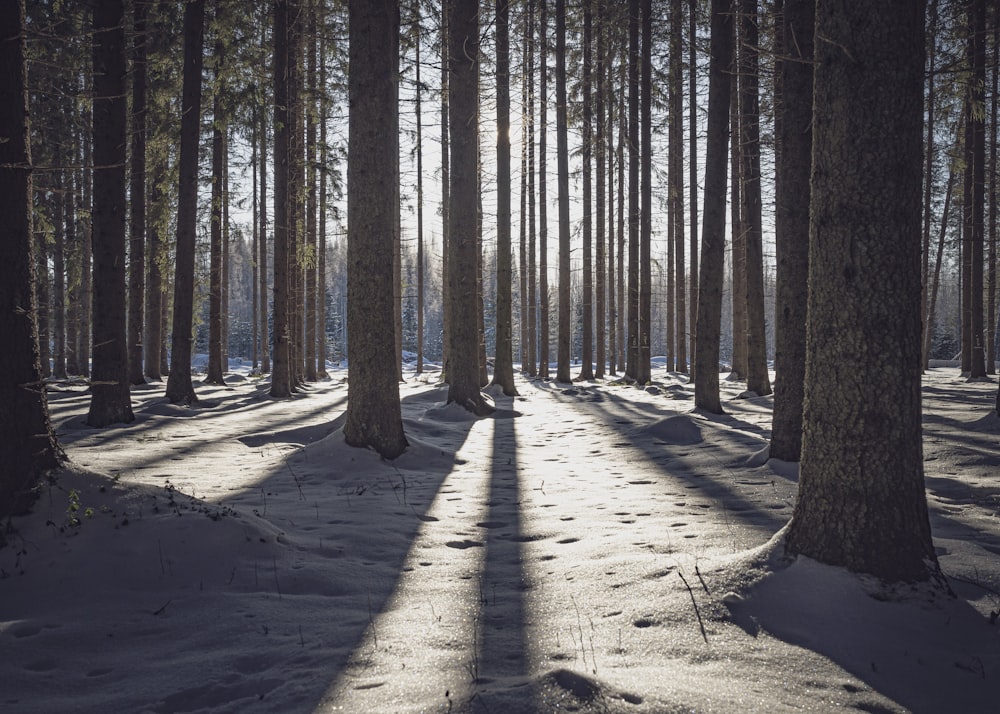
(701, 579)
(162, 609)
(695, 603)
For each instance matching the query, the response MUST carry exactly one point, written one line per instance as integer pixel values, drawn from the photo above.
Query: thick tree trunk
(794, 163)
(600, 145)
(373, 417)
(977, 154)
(757, 376)
(531, 367)
(29, 446)
(137, 196)
(861, 500)
(706, 394)
(463, 123)
(692, 302)
(110, 401)
(180, 389)
(503, 369)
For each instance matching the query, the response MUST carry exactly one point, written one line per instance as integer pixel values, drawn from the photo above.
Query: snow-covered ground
(590, 548)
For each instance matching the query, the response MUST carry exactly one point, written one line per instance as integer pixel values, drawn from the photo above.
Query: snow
(590, 548)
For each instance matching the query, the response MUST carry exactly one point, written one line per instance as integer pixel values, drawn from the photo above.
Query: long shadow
(503, 658)
(623, 416)
(369, 570)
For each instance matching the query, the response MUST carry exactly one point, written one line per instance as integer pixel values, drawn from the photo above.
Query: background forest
(235, 198)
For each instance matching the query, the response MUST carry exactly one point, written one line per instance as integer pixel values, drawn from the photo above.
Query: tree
(214, 374)
(503, 370)
(281, 374)
(794, 163)
(137, 195)
(373, 417)
(463, 131)
(180, 390)
(634, 211)
(110, 400)
(562, 169)
(29, 446)
(861, 502)
(708, 326)
(543, 220)
(587, 332)
(757, 377)
(975, 152)
(642, 368)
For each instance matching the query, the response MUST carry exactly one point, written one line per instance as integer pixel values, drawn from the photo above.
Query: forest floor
(592, 547)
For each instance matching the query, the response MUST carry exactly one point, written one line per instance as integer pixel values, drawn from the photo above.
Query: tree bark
(110, 401)
(373, 417)
(794, 164)
(281, 374)
(861, 501)
(562, 167)
(706, 395)
(137, 195)
(503, 369)
(29, 446)
(180, 389)
(463, 126)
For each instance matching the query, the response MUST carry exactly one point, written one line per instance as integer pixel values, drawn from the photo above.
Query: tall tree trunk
(463, 124)
(562, 166)
(643, 373)
(85, 237)
(977, 56)
(677, 170)
(991, 283)
(180, 390)
(324, 111)
(311, 242)
(265, 341)
(282, 375)
(861, 501)
(929, 152)
(708, 328)
(110, 401)
(737, 217)
(693, 174)
(29, 446)
(445, 197)
(600, 146)
(43, 302)
(137, 196)
(418, 116)
(532, 352)
(935, 279)
(634, 210)
(59, 246)
(543, 220)
(215, 370)
(503, 369)
(794, 164)
(373, 417)
(587, 332)
(757, 376)
(155, 260)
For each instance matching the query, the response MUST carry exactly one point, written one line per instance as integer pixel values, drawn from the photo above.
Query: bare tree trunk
(137, 196)
(179, 387)
(373, 417)
(282, 373)
(600, 146)
(693, 173)
(794, 164)
(503, 369)
(634, 209)
(109, 387)
(758, 381)
(543, 227)
(862, 466)
(463, 123)
(29, 446)
(562, 164)
(706, 394)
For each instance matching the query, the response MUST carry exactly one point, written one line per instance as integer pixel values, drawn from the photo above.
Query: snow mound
(680, 429)
(554, 691)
